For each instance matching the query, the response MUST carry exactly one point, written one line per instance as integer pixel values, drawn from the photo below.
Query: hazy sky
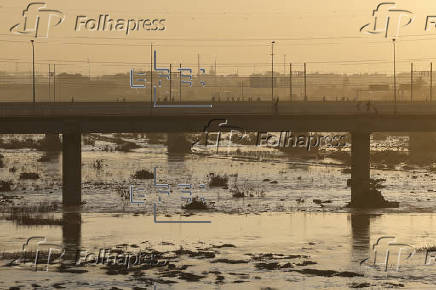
(237, 34)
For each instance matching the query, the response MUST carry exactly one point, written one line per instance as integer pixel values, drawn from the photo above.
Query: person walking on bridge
(276, 106)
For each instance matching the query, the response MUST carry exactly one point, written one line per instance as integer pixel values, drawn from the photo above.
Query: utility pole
(33, 68)
(395, 79)
(198, 64)
(180, 84)
(305, 87)
(290, 82)
(242, 90)
(431, 82)
(411, 82)
(151, 74)
(215, 74)
(171, 85)
(284, 64)
(272, 71)
(54, 83)
(49, 76)
(216, 83)
(89, 69)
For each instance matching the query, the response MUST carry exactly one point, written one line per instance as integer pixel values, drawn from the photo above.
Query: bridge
(360, 119)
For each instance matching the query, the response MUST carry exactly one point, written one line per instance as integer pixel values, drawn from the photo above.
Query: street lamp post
(272, 71)
(395, 79)
(33, 68)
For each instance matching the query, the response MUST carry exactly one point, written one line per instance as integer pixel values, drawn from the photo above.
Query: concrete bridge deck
(140, 117)
(284, 108)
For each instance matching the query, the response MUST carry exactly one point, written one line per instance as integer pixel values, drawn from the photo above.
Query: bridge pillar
(71, 166)
(360, 169)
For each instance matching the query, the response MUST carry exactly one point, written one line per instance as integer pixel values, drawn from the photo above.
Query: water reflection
(176, 158)
(360, 235)
(71, 233)
(176, 164)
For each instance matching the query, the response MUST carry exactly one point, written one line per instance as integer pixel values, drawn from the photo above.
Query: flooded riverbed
(279, 220)
(335, 242)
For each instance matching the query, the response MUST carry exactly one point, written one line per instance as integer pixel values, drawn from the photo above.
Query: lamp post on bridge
(395, 79)
(33, 68)
(272, 71)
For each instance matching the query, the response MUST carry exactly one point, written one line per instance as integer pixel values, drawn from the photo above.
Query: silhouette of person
(358, 106)
(276, 105)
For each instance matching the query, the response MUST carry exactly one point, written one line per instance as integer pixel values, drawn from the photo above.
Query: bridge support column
(360, 169)
(71, 166)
